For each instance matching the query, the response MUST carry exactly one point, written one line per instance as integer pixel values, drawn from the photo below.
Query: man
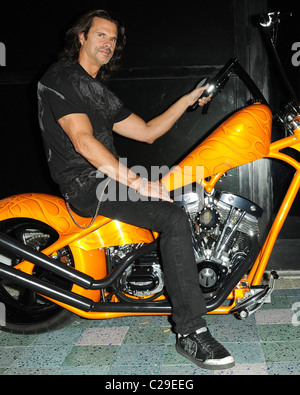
(77, 115)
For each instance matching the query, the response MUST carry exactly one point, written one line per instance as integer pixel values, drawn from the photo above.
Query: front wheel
(25, 311)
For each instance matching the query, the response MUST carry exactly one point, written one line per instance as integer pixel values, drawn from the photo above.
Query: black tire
(25, 311)
(60, 320)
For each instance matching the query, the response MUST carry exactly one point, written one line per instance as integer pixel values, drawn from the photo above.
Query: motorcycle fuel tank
(243, 138)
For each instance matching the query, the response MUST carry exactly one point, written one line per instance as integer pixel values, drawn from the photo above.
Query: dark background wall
(171, 46)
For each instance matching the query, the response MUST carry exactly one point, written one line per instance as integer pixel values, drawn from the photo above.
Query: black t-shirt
(65, 89)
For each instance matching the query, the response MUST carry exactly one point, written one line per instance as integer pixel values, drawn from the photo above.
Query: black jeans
(179, 266)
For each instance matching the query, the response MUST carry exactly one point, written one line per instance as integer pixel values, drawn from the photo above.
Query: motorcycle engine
(221, 226)
(142, 279)
(221, 232)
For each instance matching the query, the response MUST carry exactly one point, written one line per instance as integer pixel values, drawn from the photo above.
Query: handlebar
(269, 24)
(267, 20)
(216, 85)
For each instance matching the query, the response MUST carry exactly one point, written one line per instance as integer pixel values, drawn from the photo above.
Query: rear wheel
(26, 311)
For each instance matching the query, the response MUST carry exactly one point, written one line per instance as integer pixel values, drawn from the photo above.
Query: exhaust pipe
(41, 287)
(69, 298)
(16, 248)
(68, 273)
(79, 302)
(51, 291)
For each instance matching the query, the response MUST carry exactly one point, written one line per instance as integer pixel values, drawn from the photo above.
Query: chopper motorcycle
(55, 265)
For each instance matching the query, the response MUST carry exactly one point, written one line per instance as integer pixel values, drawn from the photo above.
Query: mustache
(105, 49)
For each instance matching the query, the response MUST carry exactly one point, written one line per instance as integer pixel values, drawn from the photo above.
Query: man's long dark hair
(83, 25)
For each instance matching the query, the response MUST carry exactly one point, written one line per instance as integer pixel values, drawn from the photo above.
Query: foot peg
(259, 296)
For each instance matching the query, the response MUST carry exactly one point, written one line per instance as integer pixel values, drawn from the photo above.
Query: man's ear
(81, 38)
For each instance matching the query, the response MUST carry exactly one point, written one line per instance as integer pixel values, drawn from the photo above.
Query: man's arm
(79, 129)
(137, 129)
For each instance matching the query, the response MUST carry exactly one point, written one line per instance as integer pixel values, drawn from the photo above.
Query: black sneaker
(204, 351)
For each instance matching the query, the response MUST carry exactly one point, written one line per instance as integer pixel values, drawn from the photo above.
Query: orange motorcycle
(55, 266)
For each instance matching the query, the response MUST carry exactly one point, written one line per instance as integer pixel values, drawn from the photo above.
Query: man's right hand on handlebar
(197, 95)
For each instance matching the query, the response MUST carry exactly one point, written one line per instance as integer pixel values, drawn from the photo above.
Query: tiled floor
(267, 343)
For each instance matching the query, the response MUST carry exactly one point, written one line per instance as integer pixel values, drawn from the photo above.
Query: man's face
(101, 42)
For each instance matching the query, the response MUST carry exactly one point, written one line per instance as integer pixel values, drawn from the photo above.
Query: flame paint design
(52, 211)
(243, 138)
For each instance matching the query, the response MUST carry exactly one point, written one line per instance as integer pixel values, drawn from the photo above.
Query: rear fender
(87, 245)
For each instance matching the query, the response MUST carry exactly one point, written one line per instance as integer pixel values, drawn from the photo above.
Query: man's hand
(156, 190)
(196, 95)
